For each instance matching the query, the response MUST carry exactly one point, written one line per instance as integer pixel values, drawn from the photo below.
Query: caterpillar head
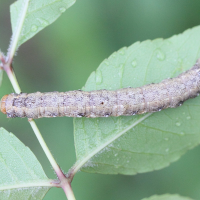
(3, 104)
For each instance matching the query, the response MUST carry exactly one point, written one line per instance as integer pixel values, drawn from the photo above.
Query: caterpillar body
(169, 93)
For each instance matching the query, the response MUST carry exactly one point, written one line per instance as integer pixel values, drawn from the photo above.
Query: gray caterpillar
(169, 93)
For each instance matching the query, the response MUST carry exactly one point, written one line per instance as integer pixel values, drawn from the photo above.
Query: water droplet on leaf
(178, 123)
(34, 28)
(188, 117)
(62, 9)
(107, 62)
(160, 55)
(43, 22)
(182, 133)
(114, 54)
(134, 63)
(99, 77)
(122, 51)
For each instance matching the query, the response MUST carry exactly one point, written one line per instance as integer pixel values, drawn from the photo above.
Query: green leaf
(21, 175)
(167, 197)
(39, 15)
(141, 143)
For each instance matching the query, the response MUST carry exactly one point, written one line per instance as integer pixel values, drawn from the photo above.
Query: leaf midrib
(38, 183)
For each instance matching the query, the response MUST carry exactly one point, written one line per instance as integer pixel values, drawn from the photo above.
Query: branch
(2, 58)
(65, 183)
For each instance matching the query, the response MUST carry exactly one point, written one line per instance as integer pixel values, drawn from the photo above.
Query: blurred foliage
(61, 58)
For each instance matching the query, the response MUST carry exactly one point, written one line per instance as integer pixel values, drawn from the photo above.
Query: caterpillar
(169, 93)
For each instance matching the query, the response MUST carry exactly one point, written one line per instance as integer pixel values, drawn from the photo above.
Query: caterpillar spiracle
(169, 93)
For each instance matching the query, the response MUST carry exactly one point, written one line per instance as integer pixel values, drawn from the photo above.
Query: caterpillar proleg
(169, 93)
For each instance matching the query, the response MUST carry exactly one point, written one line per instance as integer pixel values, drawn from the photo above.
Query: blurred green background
(61, 58)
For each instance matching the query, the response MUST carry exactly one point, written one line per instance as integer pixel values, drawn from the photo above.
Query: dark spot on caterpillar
(159, 108)
(134, 113)
(18, 102)
(10, 116)
(49, 114)
(13, 103)
(80, 115)
(107, 114)
(180, 103)
(102, 103)
(29, 102)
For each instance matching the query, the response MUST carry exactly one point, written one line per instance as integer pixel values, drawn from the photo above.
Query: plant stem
(44, 147)
(13, 79)
(64, 182)
(2, 59)
(68, 191)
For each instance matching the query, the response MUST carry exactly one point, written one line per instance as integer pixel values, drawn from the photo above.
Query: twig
(65, 183)
(2, 58)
